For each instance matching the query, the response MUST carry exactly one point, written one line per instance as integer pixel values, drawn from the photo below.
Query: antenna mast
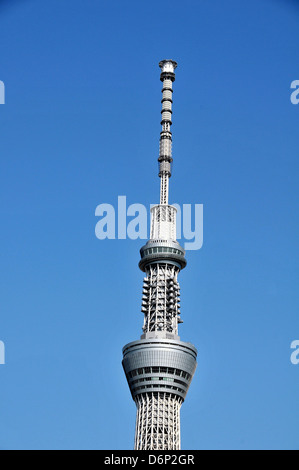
(167, 77)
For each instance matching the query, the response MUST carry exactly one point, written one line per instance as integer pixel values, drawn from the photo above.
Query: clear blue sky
(81, 126)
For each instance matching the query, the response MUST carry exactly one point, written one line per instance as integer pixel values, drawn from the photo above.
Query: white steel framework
(158, 422)
(163, 222)
(161, 299)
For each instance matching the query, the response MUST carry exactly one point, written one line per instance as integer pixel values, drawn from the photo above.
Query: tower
(159, 367)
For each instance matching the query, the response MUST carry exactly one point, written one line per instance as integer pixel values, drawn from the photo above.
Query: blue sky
(79, 128)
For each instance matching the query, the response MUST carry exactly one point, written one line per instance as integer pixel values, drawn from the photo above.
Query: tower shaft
(159, 367)
(158, 422)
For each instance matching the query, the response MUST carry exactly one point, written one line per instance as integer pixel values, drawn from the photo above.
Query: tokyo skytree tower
(159, 367)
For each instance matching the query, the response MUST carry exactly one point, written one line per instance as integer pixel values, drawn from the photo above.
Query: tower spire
(159, 367)
(167, 77)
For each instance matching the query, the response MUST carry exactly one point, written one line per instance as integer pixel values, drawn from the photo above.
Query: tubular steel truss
(161, 299)
(163, 222)
(158, 422)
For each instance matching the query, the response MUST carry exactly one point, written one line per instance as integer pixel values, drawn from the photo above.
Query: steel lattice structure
(159, 367)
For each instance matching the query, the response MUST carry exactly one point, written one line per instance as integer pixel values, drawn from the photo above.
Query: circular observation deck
(159, 365)
(162, 251)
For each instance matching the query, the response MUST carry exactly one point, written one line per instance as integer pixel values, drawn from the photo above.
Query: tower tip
(168, 65)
